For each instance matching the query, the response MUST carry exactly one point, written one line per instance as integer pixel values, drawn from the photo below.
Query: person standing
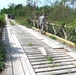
(42, 23)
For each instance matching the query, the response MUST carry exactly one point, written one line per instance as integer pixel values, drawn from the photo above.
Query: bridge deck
(31, 53)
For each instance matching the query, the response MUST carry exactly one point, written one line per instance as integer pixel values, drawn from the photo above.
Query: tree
(29, 2)
(49, 2)
(18, 10)
(64, 2)
(73, 3)
(11, 8)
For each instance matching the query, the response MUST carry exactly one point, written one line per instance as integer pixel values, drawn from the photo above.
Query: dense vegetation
(62, 12)
(2, 47)
(2, 21)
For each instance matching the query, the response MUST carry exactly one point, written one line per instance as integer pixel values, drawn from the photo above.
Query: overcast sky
(5, 3)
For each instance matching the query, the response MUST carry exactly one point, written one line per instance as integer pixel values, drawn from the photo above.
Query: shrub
(27, 22)
(2, 56)
(24, 21)
(2, 47)
(2, 21)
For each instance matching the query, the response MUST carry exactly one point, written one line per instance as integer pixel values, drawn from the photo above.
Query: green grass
(30, 44)
(63, 43)
(52, 74)
(50, 59)
(52, 37)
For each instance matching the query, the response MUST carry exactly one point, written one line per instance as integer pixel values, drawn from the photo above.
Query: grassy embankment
(2, 47)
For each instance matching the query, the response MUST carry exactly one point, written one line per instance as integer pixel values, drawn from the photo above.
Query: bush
(24, 21)
(2, 56)
(2, 21)
(1, 65)
(2, 47)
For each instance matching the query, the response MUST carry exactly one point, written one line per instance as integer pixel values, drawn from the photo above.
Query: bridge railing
(63, 31)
